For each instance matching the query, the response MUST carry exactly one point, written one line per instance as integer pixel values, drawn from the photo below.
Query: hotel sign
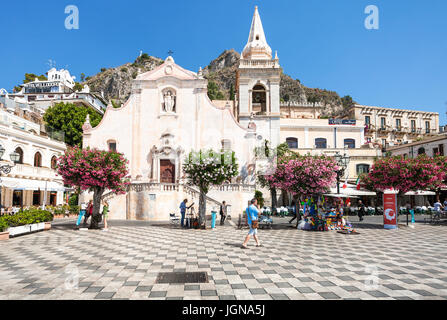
(342, 122)
(42, 84)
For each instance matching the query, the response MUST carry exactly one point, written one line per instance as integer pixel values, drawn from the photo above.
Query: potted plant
(47, 225)
(4, 232)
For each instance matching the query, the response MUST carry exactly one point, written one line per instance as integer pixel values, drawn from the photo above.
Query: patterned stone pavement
(124, 262)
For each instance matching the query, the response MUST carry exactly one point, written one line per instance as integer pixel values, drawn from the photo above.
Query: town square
(167, 179)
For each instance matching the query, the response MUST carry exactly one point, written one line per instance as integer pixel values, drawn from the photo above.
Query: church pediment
(168, 69)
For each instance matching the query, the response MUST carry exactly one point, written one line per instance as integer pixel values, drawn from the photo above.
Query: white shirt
(83, 206)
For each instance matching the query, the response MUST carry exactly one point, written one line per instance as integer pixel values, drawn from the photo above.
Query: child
(105, 214)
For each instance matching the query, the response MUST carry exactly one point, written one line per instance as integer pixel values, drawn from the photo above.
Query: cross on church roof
(170, 52)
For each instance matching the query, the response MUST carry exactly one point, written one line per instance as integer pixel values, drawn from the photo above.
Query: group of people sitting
(10, 210)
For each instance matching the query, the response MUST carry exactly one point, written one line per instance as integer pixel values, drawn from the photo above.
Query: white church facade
(169, 114)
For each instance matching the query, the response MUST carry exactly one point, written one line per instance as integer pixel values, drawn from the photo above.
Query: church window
(259, 99)
(112, 145)
(226, 145)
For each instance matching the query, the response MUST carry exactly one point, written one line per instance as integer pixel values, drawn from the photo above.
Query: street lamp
(6, 169)
(342, 162)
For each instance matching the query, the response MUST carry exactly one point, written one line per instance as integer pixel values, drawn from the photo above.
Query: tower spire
(257, 46)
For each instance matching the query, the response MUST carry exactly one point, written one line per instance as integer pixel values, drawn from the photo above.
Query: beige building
(387, 127)
(331, 136)
(430, 146)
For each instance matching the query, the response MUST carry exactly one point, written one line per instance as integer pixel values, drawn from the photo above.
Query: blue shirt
(182, 207)
(252, 213)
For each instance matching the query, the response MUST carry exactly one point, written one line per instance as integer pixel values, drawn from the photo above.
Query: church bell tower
(258, 83)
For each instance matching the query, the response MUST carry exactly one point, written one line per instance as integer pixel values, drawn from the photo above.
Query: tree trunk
(274, 199)
(97, 195)
(297, 209)
(202, 209)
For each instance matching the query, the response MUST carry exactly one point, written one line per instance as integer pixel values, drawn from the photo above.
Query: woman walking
(81, 213)
(89, 212)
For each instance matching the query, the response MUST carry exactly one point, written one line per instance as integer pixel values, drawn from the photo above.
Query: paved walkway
(124, 262)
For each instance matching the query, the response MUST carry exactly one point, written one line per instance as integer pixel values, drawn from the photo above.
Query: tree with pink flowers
(95, 171)
(404, 175)
(305, 175)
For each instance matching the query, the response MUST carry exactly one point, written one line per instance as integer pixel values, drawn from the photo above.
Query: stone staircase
(189, 191)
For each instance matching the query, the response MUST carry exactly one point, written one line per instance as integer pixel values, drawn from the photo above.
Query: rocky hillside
(115, 83)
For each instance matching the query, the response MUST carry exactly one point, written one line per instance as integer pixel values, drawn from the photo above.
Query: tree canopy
(213, 91)
(207, 168)
(69, 118)
(398, 173)
(304, 175)
(96, 171)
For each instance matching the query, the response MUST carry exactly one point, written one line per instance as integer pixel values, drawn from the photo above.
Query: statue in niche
(169, 102)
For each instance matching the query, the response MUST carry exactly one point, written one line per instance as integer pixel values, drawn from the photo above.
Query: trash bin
(213, 219)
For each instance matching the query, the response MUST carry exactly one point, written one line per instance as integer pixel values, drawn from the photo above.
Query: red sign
(390, 210)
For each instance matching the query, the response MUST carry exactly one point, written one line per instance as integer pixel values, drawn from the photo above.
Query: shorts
(253, 232)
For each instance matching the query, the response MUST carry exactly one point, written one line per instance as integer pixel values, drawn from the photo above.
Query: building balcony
(400, 130)
(259, 63)
(431, 132)
(29, 172)
(381, 131)
(415, 131)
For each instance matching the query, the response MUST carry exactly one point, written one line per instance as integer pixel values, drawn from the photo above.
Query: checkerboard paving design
(124, 262)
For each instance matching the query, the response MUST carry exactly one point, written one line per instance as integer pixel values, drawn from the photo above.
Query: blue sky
(323, 43)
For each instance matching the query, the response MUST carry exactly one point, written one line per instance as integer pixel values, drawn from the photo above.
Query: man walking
(295, 214)
(438, 208)
(361, 211)
(223, 213)
(252, 219)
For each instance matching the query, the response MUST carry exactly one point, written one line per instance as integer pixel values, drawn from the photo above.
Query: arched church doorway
(259, 102)
(167, 171)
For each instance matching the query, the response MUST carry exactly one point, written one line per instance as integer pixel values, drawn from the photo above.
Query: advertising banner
(390, 210)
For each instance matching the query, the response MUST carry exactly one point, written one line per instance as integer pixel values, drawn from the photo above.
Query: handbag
(255, 224)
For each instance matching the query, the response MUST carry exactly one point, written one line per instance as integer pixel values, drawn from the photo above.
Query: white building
(42, 94)
(33, 179)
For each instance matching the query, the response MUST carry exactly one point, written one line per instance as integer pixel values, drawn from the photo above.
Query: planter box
(4, 235)
(47, 226)
(29, 228)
